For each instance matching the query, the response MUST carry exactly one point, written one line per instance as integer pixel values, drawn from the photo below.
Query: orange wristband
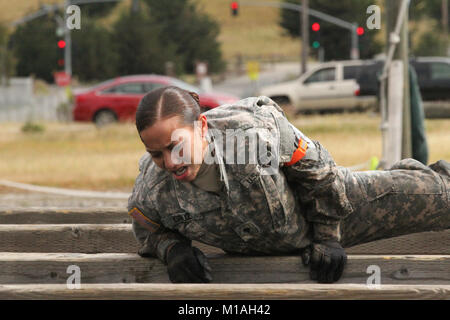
(299, 153)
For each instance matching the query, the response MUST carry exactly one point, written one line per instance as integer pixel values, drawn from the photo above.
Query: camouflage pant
(408, 198)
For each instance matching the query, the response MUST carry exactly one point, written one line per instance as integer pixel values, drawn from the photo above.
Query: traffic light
(61, 44)
(234, 5)
(316, 35)
(360, 31)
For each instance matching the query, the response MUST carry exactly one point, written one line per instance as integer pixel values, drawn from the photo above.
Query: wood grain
(118, 238)
(41, 215)
(223, 291)
(21, 268)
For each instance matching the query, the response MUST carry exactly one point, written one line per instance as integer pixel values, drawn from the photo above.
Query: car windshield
(185, 86)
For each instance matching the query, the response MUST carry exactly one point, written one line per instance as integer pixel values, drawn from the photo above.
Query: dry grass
(80, 156)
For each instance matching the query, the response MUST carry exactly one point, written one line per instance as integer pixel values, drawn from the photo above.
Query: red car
(117, 99)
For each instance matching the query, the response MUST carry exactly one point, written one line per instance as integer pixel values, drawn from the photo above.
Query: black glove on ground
(327, 260)
(187, 264)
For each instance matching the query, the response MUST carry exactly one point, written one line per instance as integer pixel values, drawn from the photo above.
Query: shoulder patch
(145, 222)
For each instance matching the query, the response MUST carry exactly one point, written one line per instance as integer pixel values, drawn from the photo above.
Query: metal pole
(354, 50)
(304, 18)
(68, 39)
(445, 24)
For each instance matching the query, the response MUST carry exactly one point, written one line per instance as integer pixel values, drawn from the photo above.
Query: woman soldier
(242, 178)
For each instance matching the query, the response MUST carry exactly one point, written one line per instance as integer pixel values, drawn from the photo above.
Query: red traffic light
(61, 44)
(234, 5)
(315, 26)
(360, 31)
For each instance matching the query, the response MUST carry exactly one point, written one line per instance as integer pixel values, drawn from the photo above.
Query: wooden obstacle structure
(38, 245)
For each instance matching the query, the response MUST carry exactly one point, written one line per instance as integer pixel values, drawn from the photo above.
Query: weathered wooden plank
(223, 291)
(433, 242)
(17, 268)
(97, 238)
(42, 215)
(79, 238)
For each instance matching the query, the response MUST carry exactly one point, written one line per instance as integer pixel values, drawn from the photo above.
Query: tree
(430, 44)
(35, 47)
(93, 54)
(6, 59)
(193, 33)
(139, 46)
(335, 40)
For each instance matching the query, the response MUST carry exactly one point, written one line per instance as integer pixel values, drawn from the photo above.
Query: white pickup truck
(331, 85)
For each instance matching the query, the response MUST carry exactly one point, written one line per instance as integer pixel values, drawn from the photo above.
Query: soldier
(201, 180)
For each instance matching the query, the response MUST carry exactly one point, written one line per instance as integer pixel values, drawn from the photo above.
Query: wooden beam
(223, 291)
(432, 242)
(22, 268)
(63, 216)
(79, 238)
(118, 238)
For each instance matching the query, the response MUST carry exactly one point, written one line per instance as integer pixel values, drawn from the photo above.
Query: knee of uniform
(409, 164)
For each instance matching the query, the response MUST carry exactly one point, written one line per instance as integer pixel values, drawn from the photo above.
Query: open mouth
(181, 173)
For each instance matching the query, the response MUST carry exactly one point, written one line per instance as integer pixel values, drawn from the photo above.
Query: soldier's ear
(203, 124)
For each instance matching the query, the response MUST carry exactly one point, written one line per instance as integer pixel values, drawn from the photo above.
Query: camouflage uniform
(313, 199)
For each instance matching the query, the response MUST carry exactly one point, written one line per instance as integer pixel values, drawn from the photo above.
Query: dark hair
(166, 102)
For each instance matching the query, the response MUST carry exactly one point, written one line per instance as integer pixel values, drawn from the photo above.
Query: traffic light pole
(354, 51)
(305, 35)
(68, 47)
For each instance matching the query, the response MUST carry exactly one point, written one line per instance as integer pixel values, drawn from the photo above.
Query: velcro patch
(145, 222)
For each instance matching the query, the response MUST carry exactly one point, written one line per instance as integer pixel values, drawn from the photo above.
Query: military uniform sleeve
(314, 176)
(153, 237)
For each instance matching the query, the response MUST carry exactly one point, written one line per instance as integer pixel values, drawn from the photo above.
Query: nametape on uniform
(145, 222)
(299, 153)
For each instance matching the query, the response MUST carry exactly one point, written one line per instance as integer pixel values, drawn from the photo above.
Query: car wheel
(104, 118)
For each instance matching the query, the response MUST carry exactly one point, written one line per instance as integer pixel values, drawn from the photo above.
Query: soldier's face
(177, 147)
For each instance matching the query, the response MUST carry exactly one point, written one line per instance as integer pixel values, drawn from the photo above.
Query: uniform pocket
(375, 184)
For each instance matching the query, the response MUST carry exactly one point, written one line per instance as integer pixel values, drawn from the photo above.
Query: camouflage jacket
(258, 211)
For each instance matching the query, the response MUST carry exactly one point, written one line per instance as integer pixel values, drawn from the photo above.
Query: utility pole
(445, 24)
(304, 31)
(401, 54)
(68, 39)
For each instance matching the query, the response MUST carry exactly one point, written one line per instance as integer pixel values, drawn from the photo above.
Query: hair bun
(195, 96)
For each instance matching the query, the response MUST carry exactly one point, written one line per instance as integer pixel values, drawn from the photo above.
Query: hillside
(255, 32)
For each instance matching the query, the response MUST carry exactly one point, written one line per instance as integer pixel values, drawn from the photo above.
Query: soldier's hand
(327, 260)
(187, 264)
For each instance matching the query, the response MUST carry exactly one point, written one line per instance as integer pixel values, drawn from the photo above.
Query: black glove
(326, 259)
(187, 264)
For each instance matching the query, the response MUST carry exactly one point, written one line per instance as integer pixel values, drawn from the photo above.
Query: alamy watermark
(74, 280)
(374, 21)
(73, 20)
(374, 280)
(251, 146)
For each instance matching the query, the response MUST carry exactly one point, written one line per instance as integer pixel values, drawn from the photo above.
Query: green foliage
(93, 54)
(32, 127)
(96, 10)
(427, 8)
(193, 33)
(7, 62)
(35, 47)
(430, 44)
(335, 40)
(137, 41)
